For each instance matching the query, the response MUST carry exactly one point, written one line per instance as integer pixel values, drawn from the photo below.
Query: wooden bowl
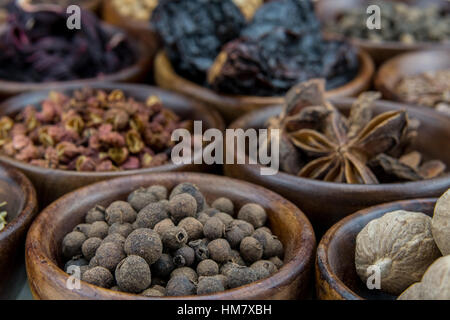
(133, 73)
(329, 10)
(232, 106)
(140, 29)
(43, 248)
(51, 183)
(336, 277)
(326, 203)
(406, 65)
(22, 207)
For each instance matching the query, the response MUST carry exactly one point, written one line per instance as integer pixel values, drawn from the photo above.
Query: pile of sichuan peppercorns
(181, 246)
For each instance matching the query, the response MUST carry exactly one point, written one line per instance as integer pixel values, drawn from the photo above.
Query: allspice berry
(237, 258)
(234, 236)
(224, 217)
(203, 217)
(124, 229)
(145, 243)
(164, 266)
(99, 229)
(263, 269)
(174, 238)
(120, 211)
(193, 227)
(115, 238)
(160, 192)
(246, 227)
(95, 214)
(184, 256)
(239, 275)
(83, 228)
(77, 261)
(277, 262)
(180, 286)
(162, 226)
(185, 272)
(152, 293)
(193, 190)
(200, 247)
(251, 249)
(153, 213)
(133, 274)
(254, 214)
(271, 245)
(182, 206)
(207, 268)
(98, 276)
(224, 205)
(140, 198)
(90, 246)
(209, 285)
(93, 263)
(214, 228)
(72, 242)
(109, 255)
(219, 250)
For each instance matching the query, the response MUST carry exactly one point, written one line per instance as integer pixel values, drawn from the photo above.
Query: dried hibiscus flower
(91, 130)
(319, 142)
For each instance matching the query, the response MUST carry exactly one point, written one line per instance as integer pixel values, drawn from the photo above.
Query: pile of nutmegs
(91, 130)
(155, 245)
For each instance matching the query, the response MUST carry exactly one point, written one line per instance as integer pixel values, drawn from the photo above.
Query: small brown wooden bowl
(51, 183)
(232, 106)
(43, 248)
(140, 29)
(133, 73)
(409, 64)
(326, 203)
(22, 207)
(336, 277)
(329, 10)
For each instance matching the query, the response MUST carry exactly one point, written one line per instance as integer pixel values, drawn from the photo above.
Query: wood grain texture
(409, 64)
(329, 10)
(233, 106)
(22, 207)
(336, 277)
(51, 184)
(43, 248)
(326, 203)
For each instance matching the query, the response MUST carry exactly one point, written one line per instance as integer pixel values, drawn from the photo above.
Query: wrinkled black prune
(194, 31)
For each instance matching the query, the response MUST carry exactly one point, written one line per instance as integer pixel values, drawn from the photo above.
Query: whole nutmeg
(99, 229)
(263, 269)
(239, 276)
(254, 214)
(193, 190)
(133, 274)
(140, 198)
(440, 224)
(184, 256)
(185, 272)
(164, 266)
(72, 242)
(251, 249)
(145, 243)
(152, 214)
(109, 255)
(115, 238)
(400, 246)
(83, 228)
(209, 285)
(182, 206)
(95, 214)
(219, 250)
(162, 226)
(174, 238)
(98, 276)
(124, 229)
(90, 246)
(224, 205)
(193, 227)
(207, 268)
(120, 211)
(180, 286)
(214, 228)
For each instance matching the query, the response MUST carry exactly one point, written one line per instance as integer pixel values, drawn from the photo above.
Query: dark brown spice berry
(121, 212)
(219, 250)
(115, 238)
(77, 261)
(265, 264)
(224, 205)
(152, 293)
(193, 191)
(145, 243)
(251, 249)
(140, 198)
(159, 191)
(277, 262)
(124, 229)
(98, 276)
(182, 206)
(162, 226)
(203, 217)
(224, 217)
(193, 227)
(236, 258)
(95, 214)
(201, 249)
(164, 266)
(93, 263)
(209, 285)
(214, 228)
(83, 228)
(254, 214)
(185, 272)
(234, 236)
(109, 255)
(99, 229)
(180, 286)
(207, 268)
(133, 274)
(210, 211)
(72, 242)
(238, 276)
(174, 238)
(152, 214)
(184, 257)
(90, 246)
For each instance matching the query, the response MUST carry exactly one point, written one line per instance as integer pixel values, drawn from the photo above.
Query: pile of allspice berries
(158, 245)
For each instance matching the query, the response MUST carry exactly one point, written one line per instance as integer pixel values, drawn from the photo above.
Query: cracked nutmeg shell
(440, 224)
(400, 245)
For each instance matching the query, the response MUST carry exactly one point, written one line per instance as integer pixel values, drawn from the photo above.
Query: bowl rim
(286, 179)
(299, 264)
(219, 122)
(322, 262)
(30, 208)
(362, 79)
(142, 62)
